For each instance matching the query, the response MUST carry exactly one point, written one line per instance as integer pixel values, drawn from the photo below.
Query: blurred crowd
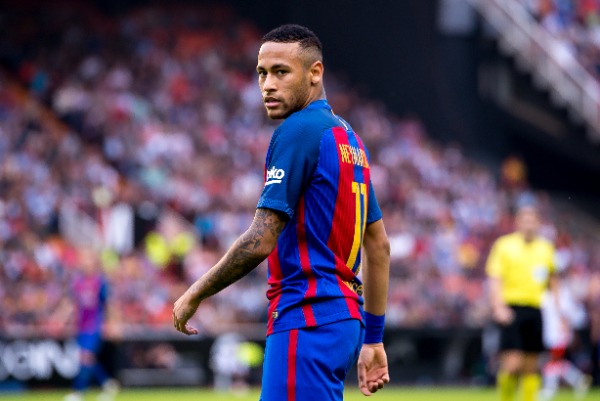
(143, 136)
(576, 23)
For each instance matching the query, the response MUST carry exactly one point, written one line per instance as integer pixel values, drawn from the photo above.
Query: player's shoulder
(517, 238)
(545, 243)
(507, 240)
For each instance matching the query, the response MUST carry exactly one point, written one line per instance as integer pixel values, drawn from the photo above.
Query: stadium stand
(558, 41)
(576, 24)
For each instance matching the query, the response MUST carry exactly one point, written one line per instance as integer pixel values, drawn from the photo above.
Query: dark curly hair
(293, 33)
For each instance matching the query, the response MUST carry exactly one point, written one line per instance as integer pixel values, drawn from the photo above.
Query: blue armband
(374, 328)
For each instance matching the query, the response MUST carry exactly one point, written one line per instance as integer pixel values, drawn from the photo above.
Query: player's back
(317, 172)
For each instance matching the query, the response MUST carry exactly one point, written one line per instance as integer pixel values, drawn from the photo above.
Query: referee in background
(520, 269)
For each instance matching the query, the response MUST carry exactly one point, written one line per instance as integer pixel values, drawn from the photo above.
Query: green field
(388, 394)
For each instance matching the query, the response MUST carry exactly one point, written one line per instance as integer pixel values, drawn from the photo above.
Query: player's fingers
(362, 373)
(175, 321)
(365, 391)
(362, 378)
(375, 385)
(183, 327)
(190, 330)
(186, 329)
(386, 378)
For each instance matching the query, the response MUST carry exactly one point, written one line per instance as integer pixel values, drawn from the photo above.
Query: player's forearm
(376, 283)
(240, 260)
(247, 252)
(496, 298)
(553, 284)
(376, 268)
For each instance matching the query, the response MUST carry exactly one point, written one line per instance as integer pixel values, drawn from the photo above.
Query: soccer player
(520, 267)
(316, 215)
(562, 313)
(593, 307)
(90, 293)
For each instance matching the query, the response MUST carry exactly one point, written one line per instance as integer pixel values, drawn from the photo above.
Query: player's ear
(316, 73)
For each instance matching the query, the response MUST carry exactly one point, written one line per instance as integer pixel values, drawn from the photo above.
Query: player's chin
(276, 113)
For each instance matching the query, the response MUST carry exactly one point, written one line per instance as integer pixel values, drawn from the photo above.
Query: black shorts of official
(524, 333)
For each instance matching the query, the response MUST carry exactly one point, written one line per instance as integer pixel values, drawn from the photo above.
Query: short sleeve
(291, 160)
(373, 211)
(551, 258)
(494, 265)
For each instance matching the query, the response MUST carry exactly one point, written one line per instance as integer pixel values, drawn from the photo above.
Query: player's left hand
(372, 368)
(183, 310)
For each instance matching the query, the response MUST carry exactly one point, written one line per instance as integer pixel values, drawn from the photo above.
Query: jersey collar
(319, 104)
(522, 238)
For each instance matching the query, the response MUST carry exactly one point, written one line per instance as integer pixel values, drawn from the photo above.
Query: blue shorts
(310, 364)
(89, 342)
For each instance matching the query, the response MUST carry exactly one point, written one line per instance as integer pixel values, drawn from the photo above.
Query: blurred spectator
(593, 301)
(563, 315)
(90, 292)
(514, 173)
(576, 23)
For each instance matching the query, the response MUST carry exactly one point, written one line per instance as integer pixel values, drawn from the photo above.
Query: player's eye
(262, 73)
(281, 72)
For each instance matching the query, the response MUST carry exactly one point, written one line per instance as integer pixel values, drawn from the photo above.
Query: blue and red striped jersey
(317, 172)
(90, 293)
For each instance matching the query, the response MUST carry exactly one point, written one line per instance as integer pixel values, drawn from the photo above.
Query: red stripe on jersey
(351, 297)
(342, 226)
(366, 171)
(311, 291)
(291, 376)
(274, 291)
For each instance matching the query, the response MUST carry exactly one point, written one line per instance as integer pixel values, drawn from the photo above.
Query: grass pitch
(388, 394)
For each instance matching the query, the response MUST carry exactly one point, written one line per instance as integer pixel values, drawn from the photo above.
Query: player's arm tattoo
(247, 252)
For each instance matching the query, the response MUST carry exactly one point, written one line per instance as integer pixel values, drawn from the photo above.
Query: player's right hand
(183, 310)
(372, 369)
(503, 314)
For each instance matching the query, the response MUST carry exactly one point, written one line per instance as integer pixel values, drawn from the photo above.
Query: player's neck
(528, 236)
(317, 93)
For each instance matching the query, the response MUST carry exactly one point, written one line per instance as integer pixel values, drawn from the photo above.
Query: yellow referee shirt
(522, 267)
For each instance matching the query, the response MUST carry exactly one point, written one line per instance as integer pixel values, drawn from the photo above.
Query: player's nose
(269, 85)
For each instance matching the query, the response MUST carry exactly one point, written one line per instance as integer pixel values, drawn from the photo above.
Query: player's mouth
(271, 102)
